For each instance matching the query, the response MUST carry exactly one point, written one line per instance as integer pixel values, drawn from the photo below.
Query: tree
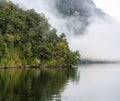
(27, 38)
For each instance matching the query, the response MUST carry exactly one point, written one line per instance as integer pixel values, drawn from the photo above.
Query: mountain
(79, 13)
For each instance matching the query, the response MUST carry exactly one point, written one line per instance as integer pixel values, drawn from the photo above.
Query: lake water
(87, 83)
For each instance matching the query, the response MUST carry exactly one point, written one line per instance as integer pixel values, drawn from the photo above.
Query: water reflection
(34, 84)
(98, 82)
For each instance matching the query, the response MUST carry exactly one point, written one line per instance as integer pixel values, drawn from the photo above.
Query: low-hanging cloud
(100, 42)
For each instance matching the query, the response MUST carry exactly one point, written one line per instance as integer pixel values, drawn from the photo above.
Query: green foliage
(9, 38)
(26, 38)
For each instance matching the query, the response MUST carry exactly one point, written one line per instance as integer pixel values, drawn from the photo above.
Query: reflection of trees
(33, 84)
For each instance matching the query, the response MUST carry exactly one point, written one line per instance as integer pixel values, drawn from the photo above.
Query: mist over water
(88, 29)
(100, 43)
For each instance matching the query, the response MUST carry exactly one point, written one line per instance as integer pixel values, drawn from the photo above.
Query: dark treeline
(26, 38)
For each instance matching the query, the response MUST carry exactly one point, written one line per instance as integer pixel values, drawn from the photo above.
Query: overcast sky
(112, 7)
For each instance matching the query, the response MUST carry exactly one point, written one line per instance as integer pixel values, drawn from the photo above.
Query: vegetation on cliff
(26, 38)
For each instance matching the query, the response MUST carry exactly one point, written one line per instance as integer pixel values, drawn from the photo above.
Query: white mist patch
(102, 41)
(112, 7)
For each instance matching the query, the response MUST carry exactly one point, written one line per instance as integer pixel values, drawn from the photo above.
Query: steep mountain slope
(78, 12)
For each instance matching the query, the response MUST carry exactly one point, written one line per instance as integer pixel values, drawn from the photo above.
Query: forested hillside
(26, 38)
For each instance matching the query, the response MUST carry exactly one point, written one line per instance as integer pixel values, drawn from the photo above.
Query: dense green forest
(26, 38)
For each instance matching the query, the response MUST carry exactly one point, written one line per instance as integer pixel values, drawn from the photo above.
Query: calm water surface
(87, 83)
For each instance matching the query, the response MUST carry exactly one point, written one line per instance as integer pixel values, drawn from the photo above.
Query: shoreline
(27, 66)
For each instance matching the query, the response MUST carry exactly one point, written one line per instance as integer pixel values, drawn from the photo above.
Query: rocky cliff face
(78, 12)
